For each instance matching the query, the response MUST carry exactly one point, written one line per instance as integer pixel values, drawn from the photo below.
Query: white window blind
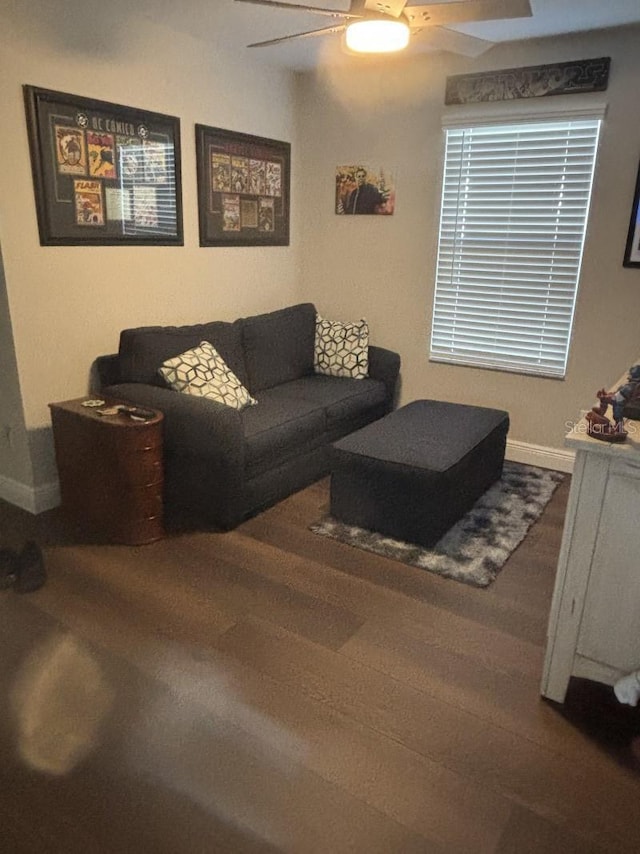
(515, 201)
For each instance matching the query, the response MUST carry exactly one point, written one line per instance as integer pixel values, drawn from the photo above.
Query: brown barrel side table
(111, 472)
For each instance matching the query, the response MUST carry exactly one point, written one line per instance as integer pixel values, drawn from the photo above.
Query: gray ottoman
(414, 473)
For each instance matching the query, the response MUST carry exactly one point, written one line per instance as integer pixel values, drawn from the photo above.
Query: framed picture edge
(32, 94)
(634, 227)
(35, 157)
(201, 130)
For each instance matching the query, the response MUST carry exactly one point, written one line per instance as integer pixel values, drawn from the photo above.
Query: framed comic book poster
(243, 188)
(103, 173)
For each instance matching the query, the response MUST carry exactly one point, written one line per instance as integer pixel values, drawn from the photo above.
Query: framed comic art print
(243, 188)
(103, 173)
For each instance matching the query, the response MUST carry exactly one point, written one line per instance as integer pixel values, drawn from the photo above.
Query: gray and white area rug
(478, 546)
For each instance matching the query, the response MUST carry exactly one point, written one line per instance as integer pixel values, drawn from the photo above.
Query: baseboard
(42, 498)
(559, 459)
(32, 499)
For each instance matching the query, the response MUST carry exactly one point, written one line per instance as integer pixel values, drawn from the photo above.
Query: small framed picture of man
(361, 189)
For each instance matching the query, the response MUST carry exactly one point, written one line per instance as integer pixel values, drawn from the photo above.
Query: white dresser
(594, 625)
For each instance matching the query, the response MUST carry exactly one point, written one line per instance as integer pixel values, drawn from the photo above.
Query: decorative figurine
(601, 427)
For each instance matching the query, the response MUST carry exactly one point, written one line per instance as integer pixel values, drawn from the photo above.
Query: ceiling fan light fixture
(377, 35)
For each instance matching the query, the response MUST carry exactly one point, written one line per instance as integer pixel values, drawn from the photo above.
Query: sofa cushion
(341, 349)
(278, 346)
(144, 349)
(343, 400)
(278, 429)
(202, 372)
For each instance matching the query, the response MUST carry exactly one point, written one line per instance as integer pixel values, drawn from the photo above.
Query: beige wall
(68, 304)
(383, 267)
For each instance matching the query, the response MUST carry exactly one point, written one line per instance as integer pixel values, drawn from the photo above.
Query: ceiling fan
(385, 26)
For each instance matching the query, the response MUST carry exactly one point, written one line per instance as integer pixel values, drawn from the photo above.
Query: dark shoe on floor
(8, 568)
(31, 572)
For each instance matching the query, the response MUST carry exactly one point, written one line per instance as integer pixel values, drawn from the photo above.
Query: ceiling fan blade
(322, 32)
(317, 10)
(386, 7)
(441, 38)
(466, 11)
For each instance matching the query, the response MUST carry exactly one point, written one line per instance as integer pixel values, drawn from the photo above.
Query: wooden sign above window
(534, 81)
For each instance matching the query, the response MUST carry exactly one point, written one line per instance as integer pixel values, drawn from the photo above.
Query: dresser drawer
(139, 503)
(138, 469)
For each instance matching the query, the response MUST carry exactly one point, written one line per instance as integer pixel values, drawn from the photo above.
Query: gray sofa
(223, 465)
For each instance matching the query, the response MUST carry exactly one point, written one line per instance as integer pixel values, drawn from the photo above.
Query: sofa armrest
(204, 452)
(192, 425)
(385, 365)
(105, 371)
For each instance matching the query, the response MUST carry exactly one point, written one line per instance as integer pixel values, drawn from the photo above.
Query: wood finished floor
(269, 690)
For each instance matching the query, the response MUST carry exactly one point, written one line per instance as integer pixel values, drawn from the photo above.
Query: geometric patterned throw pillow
(204, 373)
(341, 349)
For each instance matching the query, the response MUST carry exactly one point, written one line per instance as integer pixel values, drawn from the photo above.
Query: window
(515, 201)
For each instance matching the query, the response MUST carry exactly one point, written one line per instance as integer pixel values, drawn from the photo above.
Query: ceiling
(249, 23)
